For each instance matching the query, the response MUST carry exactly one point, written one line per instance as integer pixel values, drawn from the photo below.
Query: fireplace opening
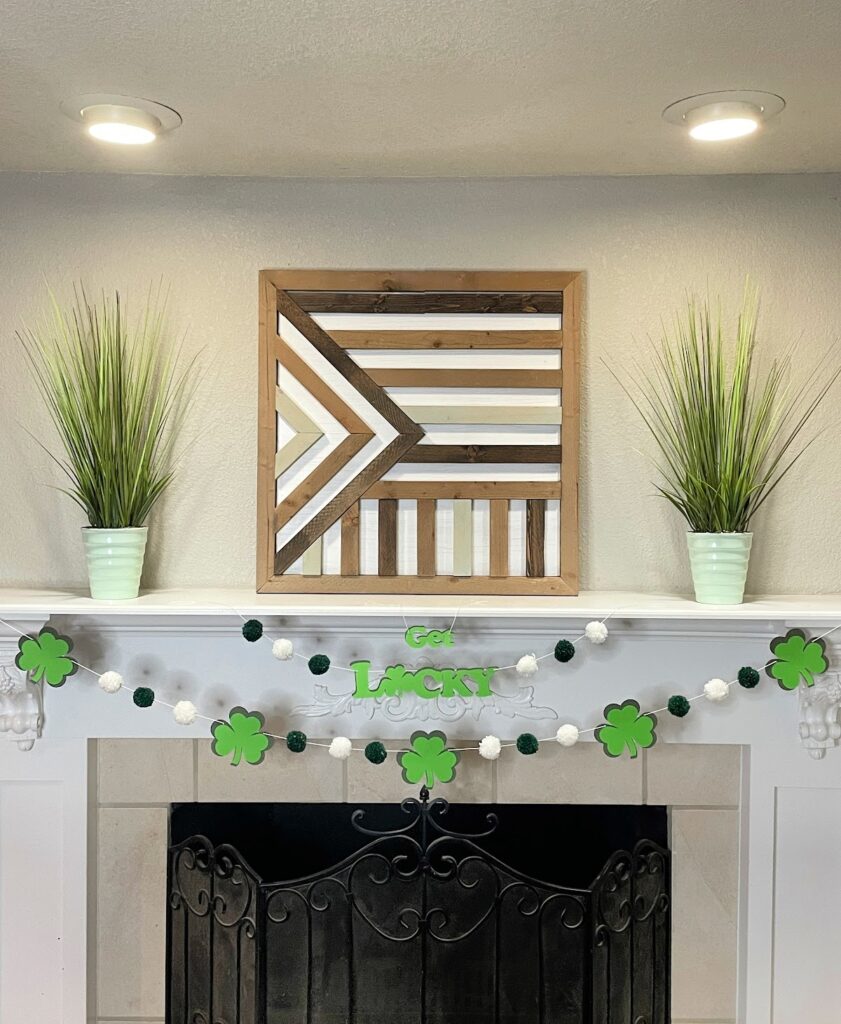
(421, 913)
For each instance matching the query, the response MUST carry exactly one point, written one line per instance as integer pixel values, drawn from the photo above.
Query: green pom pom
(376, 752)
(296, 741)
(564, 650)
(748, 677)
(252, 630)
(319, 663)
(678, 706)
(143, 697)
(526, 743)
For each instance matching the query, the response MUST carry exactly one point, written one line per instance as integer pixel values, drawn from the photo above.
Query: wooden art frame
(377, 436)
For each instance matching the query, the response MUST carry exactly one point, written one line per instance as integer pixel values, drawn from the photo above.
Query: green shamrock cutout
(797, 658)
(394, 680)
(46, 657)
(428, 759)
(625, 729)
(241, 736)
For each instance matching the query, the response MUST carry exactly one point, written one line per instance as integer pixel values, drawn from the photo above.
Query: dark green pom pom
(252, 630)
(748, 677)
(143, 697)
(678, 706)
(319, 663)
(564, 650)
(526, 743)
(376, 752)
(296, 741)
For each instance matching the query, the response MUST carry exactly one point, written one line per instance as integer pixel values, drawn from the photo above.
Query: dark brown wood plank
(428, 302)
(448, 339)
(441, 378)
(479, 453)
(426, 537)
(387, 537)
(499, 537)
(350, 541)
(535, 532)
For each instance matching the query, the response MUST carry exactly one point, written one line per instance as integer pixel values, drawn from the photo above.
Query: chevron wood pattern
(432, 418)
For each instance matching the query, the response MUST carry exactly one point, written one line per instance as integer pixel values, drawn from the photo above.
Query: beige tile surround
(137, 779)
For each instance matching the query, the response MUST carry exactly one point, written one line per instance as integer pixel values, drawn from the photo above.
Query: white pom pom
(716, 690)
(340, 747)
(527, 665)
(184, 712)
(596, 632)
(110, 681)
(490, 748)
(567, 735)
(283, 650)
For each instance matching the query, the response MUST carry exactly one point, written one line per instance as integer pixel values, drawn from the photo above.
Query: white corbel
(21, 700)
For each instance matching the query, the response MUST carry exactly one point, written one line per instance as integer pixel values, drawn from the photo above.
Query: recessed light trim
(723, 116)
(123, 120)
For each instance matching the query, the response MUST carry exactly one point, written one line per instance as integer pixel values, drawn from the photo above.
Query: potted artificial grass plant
(117, 401)
(727, 435)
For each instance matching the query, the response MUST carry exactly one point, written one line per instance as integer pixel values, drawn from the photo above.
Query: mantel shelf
(220, 603)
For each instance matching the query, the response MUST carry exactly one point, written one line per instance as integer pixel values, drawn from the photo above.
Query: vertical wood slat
(462, 537)
(387, 537)
(570, 435)
(499, 537)
(426, 536)
(311, 565)
(350, 541)
(535, 533)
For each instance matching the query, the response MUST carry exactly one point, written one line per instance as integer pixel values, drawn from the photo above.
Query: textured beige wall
(642, 242)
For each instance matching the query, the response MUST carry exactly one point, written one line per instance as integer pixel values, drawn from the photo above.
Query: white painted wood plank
(454, 359)
(410, 471)
(407, 532)
(517, 538)
(369, 554)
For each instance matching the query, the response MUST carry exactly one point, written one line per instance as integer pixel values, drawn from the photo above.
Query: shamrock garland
(428, 759)
(626, 728)
(796, 659)
(45, 657)
(242, 735)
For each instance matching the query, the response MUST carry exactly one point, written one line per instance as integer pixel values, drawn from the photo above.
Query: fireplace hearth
(422, 914)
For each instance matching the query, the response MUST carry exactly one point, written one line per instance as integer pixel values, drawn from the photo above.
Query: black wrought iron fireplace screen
(416, 921)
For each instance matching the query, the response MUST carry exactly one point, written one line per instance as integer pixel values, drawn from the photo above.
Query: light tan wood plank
(499, 537)
(514, 585)
(448, 339)
(350, 541)
(491, 414)
(294, 448)
(426, 536)
(416, 490)
(294, 415)
(311, 562)
(462, 537)
(449, 378)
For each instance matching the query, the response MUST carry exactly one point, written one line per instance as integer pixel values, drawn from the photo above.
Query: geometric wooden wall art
(418, 432)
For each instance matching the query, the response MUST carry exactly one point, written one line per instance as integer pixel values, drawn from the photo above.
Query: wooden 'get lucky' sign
(426, 682)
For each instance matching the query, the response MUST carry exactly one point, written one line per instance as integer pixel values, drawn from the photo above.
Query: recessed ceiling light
(719, 116)
(126, 126)
(122, 120)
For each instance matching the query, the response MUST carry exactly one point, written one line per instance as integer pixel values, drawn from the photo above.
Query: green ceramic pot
(719, 566)
(115, 561)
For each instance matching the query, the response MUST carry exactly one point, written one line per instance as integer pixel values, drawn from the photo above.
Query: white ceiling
(420, 87)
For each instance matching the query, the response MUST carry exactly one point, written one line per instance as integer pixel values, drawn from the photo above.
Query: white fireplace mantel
(186, 643)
